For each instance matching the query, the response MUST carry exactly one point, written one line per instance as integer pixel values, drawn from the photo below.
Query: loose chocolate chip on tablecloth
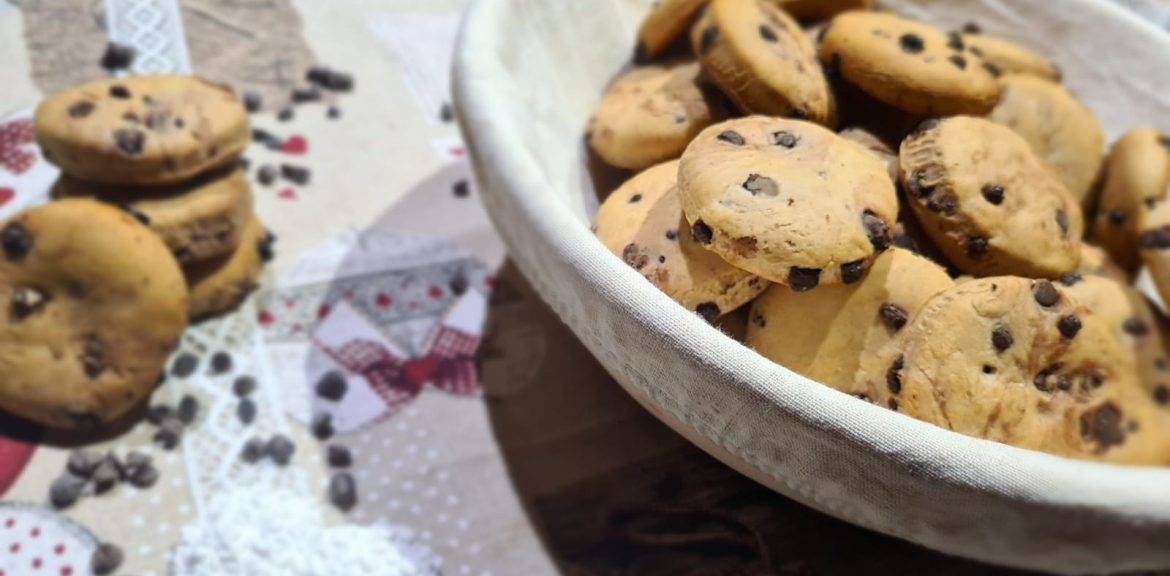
(16, 241)
(298, 175)
(1071, 278)
(253, 101)
(731, 137)
(82, 463)
(1162, 395)
(701, 232)
(246, 411)
(322, 426)
(130, 140)
(117, 56)
(266, 246)
(1116, 217)
(333, 112)
(143, 476)
(1045, 293)
(338, 456)
(804, 279)
(446, 113)
(461, 189)
(280, 449)
(709, 311)
(265, 137)
(893, 316)
(245, 163)
(134, 460)
(301, 95)
(253, 451)
(330, 79)
(81, 109)
(188, 409)
(221, 362)
(106, 558)
(911, 43)
(244, 386)
(157, 413)
(343, 491)
(285, 114)
(106, 475)
(1135, 327)
(1069, 326)
(1102, 425)
(266, 175)
(26, 302)
(993, 194)
(65, 490)
(169, 432)
(184, 365)
(877, 230)
(331, 386)
(1156, 239)
(757, 185)
(1002, 338)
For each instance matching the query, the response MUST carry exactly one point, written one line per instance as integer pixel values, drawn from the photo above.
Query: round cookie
(787, 200)
(813, 10)
(1061, 130)
(1137, 174)
(988, 202)
(1003, 57)
(825, 333)
(875, 146)
(1021, 362)
(142, 129)
(908, 65)
(650, 115)
(220, 284)
(640, 223)
(761, 59)
(666, 22)
(95, 305)
(197, 219)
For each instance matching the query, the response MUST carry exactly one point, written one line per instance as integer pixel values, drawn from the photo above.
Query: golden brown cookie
(875, 146)
(787, 200)
(198, 219)
(988, 202)
(825, 333)
(1137, 174)
(1020, 362)
(908, 65)
(95, 305)
(640, 223)
(1061, 130)
(1003, 57)
(142, 129)
(761, 59)
(813, 10)
(220, 284)
(667, 21)
(650, 115)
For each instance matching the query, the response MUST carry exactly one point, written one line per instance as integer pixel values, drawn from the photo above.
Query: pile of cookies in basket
(150, 225)
(924, 219)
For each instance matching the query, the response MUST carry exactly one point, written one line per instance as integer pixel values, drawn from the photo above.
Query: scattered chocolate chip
(707, 40)
(120, 92)
(803, 279)
(851, 272)
(130, 140)
(65, 490)
(757, 185)
(955, 41)
(1162, 395)
(246, 411)
(143, 476)
(117, 56)
(285, 114)
(701, 232)
(1045, 293)
(253, 451)
(1102, 425)
(877, 230)
(106, 475)
(82, 463)
(911, 43)
(1069, 326)
(1116, 217)
(1156, 239)
(322, 426)
(333, 112)
(264, 247)
(330, 79)
(221, 363)
(188, 409)
(767, 34)
(640, 56)
(993, 193)
(1062, 221)
(105, 559)
(989, 369)
(893, 316)
(280, 449)
(169, 432)
(135, 459)
(785, 139)
(894, 375)
(26, 302)
(81, 109)
(709, 311)
(331, 386)
(266, 175)
(298, 175)
(1001, 338)
(302, 95)
(447, 113)
(338, 456)
(1135, 327)
(253, 101)
(976, 247)
(244, 386)
(343, 491)
(458, 283)
(157, 413)
(731, 137)
(16, 241)
(1071, 278)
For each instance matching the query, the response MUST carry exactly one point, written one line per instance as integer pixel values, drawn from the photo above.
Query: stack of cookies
(899, 213)
(167, 150)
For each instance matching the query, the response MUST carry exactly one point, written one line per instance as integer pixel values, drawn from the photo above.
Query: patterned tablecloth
(497, 446)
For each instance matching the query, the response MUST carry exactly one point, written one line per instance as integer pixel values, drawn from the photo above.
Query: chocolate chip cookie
(824, 334)
(95, 305)
(667, 21)
(142, 129)
(1003, 57)
(1137, 174)
(642, 223)
(650, 115)
(988, 202)
(1021, 362)
(197, 219)
(221, 284)
(908, 65)
(761, 59)
(787, 200)
(1061, 130)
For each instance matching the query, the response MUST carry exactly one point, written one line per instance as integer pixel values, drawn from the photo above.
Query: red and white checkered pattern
(14, 136)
